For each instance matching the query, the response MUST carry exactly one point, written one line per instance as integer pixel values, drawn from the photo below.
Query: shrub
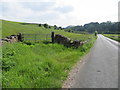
(40, 25)
(45, 25)
(96, 33)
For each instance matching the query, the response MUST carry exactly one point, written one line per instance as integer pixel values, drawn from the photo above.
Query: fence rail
(37, 37)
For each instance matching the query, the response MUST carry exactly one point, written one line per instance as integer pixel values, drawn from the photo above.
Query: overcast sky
(59, 12)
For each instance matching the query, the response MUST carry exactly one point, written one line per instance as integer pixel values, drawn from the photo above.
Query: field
(9, 28)
(39, 65)
(113, 36)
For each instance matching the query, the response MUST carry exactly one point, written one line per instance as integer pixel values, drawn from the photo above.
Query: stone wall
(60, 39)
(11, 39)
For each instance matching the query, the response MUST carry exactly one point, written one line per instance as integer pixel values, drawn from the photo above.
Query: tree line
(104, 27)
(48, 26)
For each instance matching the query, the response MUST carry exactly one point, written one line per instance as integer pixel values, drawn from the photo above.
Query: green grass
(113, 36)
(9, 28)
(39, 65)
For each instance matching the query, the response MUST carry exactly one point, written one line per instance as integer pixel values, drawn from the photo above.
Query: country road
(100, 67)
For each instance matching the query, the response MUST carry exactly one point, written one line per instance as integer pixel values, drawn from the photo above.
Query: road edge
(75, 69)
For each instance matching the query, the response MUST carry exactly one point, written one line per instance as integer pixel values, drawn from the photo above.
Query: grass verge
(113, 36)
(39, 65)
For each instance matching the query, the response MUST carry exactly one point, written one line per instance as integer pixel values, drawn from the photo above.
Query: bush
(40, 25)
(46, 25)
(96, 33)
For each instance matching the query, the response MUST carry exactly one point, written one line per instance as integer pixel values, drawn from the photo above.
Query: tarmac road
(100, 69)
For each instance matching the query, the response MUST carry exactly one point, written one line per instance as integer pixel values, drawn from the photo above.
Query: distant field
(39, 65)
(113, 36)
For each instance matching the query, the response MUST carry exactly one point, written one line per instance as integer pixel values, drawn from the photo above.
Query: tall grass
(39, 65)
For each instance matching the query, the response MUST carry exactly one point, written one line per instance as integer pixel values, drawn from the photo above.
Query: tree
(49, 26)
(55, 27)
(40, 25)
(96, 33)
(60, 28)
(45, 25)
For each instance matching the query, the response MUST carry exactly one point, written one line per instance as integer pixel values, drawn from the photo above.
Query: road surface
(100, 67)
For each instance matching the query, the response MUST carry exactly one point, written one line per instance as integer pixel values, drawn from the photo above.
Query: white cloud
(15, 11)
(60, 12)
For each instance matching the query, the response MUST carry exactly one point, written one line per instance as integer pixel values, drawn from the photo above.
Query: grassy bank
(39, 65)
(113, 36)
(9, 28)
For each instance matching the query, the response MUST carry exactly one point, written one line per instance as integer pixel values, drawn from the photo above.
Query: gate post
(52, 36)
(20, 38)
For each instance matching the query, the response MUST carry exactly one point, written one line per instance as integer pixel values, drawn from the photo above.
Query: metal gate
(36, 37)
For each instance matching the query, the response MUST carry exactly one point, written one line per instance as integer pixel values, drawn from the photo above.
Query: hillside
(10, 27)
(104, 27)
(39, 65)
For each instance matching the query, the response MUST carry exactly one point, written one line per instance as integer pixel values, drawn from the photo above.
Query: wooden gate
(36, 37)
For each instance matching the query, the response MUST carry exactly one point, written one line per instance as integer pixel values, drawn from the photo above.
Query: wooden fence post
(52, 36)
(20, 38)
